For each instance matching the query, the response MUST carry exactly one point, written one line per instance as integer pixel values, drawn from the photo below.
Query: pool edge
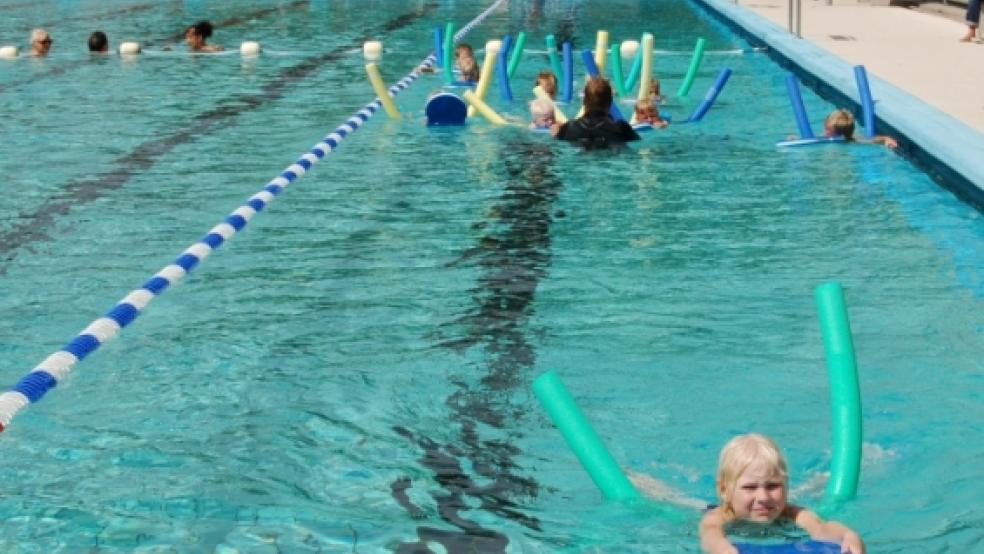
(925, 133)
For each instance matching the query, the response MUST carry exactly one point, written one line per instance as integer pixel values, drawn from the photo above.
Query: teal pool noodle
(582, 439)
(449, 53)
(615, 60)
(630, 81)
(845, 392)
(517, 53)
(688, 80)
(554, 58)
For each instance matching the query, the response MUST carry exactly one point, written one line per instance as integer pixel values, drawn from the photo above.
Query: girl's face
(759, 495)
(194, 40)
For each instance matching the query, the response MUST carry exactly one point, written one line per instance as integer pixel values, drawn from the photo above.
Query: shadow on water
(513, 258)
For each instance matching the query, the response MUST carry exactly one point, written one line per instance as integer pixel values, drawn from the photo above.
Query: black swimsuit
(597, 131)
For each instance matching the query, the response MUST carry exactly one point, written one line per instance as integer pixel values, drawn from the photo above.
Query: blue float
(796, 99)
(445, 109)
(806, 547)
(710, 97)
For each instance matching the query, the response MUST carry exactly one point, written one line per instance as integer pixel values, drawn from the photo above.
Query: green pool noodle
(554, 57)
(615, 60)
(845, 392)
(517, 53)
(635, 70)
(582, 439)
(688, 80)
(449, 52)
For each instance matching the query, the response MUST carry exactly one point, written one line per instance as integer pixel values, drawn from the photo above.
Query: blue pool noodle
(502, 70)
(589, 63)
(792, 87)
(867, 104)
(554, 58)
(438, 47)
(568, 55)
(711, 96)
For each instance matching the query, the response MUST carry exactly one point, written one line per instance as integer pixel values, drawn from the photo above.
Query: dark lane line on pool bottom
(513, 259)
(166, 41)
(34, 226)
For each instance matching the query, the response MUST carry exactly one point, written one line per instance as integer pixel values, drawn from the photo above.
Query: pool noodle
(845, 393)
(630, 81)
(485, 77)
(688, 80)
(646, 78)
(568, 78)
(792, 87)
(711, 96)
(449, 53)
(502, 70)
(581, 438)
(601, 50)
(381, 92)
(554, 58)
(593, 71)
(483, 108)
(618, 79)
(517, 53)
(867, 104)
(559, 116)
(438, 47)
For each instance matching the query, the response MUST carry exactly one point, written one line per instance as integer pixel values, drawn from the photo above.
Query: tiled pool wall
(949, 151)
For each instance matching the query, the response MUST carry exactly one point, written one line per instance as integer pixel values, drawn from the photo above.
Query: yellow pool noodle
(483, 108)
(381, 92)
(542, 95)
(601, 51)
(485, 77)
(646, 75)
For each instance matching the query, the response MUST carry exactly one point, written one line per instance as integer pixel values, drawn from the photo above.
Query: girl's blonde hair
(841, 122)
(741, 452)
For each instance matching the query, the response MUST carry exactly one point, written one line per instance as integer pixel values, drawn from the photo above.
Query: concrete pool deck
(926, 83)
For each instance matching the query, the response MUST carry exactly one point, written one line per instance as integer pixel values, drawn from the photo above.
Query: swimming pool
(383, 320)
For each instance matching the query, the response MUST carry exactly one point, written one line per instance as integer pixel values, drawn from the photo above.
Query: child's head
(548, 82)
(597, 95)
(654, 88)
(463, 49)
(469, 68)
(542, 113)
(839, 123)
(645, 111)
(752, 479)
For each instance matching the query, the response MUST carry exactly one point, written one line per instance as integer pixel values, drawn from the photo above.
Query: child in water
(840, 123)
(542, 113)
(647, 112)
(464, 58)
(752, 483)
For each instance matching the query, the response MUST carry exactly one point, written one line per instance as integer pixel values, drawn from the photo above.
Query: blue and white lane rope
(33, 386)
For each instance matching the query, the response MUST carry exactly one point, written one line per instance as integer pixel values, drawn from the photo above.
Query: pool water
(352, 372)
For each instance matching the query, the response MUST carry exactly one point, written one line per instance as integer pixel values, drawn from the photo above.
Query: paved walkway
(916, 51)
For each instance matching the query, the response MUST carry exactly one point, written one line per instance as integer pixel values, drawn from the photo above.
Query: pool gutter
(947, 149)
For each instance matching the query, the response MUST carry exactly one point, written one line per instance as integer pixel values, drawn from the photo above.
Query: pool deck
(926, 83)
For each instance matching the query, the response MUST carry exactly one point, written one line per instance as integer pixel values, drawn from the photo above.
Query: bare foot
(970, 35)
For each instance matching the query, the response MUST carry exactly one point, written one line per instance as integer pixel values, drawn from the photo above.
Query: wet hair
(464, 47)
(741, 452)
(38, 35)
(841, 123)
(549, 81)
(98, 42)
(202, 29)
(597, 95)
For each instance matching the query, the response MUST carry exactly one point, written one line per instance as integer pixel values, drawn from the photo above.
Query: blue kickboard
(446, 109)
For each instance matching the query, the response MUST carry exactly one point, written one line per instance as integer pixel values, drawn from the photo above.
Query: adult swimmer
(596, 128)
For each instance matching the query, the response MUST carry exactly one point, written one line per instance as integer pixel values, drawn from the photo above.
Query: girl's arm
(831, 531)
(712, 537)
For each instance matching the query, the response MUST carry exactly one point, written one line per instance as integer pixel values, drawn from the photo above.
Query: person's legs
(973, 19)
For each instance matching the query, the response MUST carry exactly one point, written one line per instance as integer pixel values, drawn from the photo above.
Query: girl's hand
(852, 544)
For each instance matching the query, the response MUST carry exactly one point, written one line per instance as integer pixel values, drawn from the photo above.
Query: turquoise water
(379, 324)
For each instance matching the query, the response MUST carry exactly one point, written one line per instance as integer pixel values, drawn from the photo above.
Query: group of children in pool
(196, 37)
(595, 127)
